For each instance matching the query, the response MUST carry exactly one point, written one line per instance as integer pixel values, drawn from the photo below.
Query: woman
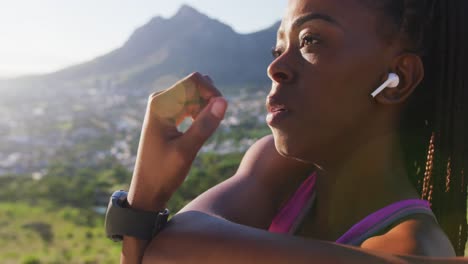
(347, 153)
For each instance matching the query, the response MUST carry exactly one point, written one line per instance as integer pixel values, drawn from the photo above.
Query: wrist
(143, 200)
(122, 220)
(148, 194)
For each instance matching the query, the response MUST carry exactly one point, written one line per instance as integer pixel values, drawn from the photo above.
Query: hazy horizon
(43, 37)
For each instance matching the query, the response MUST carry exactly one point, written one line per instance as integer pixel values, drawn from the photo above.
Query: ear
(410, 69)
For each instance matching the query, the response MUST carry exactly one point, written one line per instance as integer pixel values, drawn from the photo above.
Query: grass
(41, 234)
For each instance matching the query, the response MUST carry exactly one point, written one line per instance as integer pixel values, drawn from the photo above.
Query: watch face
(120, 197)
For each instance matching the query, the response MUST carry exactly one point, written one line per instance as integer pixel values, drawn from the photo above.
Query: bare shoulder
(419, 235)
(253, 194)
(262, 161)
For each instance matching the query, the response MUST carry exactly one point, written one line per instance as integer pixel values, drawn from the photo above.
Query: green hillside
(52, 220)
(41, 234)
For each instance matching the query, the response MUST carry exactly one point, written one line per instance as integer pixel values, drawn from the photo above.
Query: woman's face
(329, 59)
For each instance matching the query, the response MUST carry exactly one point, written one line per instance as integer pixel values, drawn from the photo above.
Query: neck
(370, 178)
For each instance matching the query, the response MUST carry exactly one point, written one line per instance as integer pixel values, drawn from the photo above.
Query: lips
(273, 105)
(277, 111)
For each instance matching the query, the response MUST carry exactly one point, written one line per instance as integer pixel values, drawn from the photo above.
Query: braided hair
(434, 124)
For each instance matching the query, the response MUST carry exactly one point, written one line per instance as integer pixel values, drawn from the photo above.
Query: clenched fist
(165, 154)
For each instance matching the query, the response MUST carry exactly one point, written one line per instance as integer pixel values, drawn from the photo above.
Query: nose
(279, 70)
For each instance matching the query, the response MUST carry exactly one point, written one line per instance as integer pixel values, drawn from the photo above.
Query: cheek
(341, 107)
(333, 103)
(363, 65)
(345, 82)
(335, 85)
(329, 98)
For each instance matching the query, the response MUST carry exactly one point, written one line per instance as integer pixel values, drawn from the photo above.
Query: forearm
(194, 237)
(143, 196)
(132, 248)
(165, 154)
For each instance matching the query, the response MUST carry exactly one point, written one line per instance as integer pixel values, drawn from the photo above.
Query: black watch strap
(124, 221)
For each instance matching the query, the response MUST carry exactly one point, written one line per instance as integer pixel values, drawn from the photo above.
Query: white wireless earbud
(392, 82)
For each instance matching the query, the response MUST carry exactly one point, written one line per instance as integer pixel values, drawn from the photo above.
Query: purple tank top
(291, 214)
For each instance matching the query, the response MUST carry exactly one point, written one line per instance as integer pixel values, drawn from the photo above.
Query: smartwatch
(122, 220)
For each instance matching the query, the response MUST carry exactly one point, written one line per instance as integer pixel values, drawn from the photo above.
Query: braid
(448, 63)
(441, 103)
(434, 124)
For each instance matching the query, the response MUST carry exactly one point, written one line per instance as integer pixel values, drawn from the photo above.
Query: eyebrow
(308, 17)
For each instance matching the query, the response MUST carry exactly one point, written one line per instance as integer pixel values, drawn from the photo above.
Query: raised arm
(164, 154)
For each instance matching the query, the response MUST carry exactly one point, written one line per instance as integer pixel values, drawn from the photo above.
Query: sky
(41, 36)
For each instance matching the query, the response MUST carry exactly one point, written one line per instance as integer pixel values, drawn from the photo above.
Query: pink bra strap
(287, 216)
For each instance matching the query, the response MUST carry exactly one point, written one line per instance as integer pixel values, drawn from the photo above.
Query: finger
(158, 119)
(195, 91)
(184, 99)
(204, 86)
(169, 105)
(208, 78)
(204, 125)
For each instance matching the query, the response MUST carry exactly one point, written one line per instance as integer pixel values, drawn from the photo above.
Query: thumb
(205, 124)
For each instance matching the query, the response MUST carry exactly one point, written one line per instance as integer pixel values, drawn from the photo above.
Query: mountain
(164, 50)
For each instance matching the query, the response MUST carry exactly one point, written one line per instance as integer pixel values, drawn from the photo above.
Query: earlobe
(410, 71)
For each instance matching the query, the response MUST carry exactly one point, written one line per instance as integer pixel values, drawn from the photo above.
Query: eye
(310, 39)
(276, 52)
